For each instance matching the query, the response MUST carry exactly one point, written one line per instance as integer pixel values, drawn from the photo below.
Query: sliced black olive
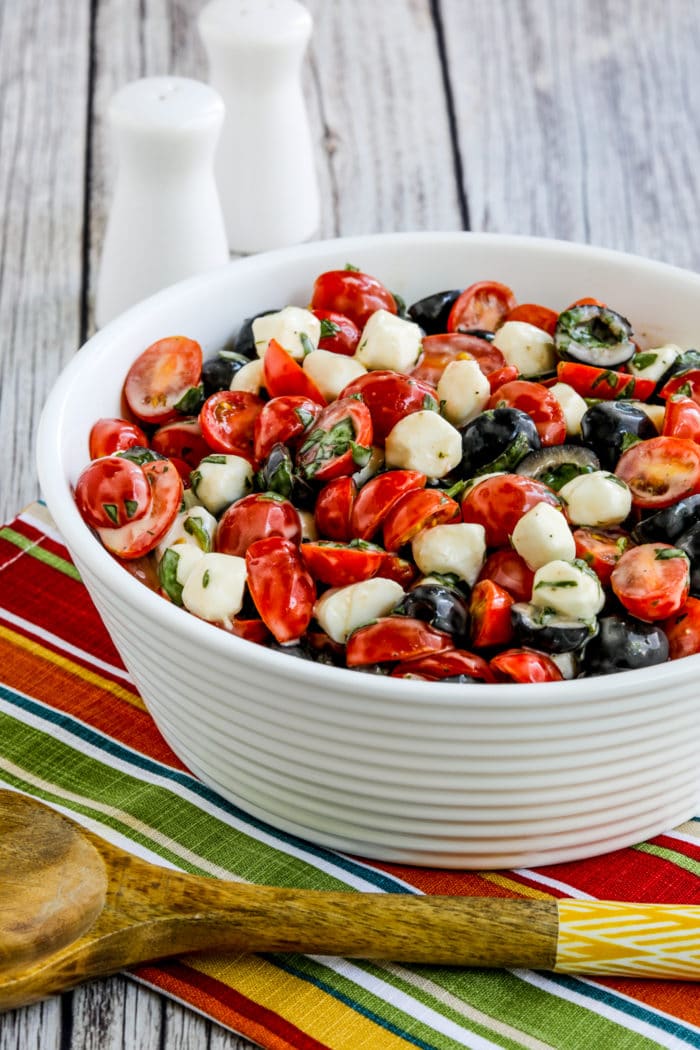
(217, 372)
(245, 343)
(594, 335)
(686, 361)
(546, 630)
(432, 312)
(277, 474)
(497, 439)
(610, 427)
(669, 524)
(690, 543)
(480, 333)
(624, 644)
(442, 607)
(557, 464)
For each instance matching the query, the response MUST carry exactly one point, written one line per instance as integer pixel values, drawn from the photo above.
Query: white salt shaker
(165, 222)
(265, 165)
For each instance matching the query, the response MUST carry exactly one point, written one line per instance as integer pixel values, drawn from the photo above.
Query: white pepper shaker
(264, 165)
(165, 222)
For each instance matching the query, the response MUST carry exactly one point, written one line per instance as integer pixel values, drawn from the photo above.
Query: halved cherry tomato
(532, 313)
(183, 469)
(283, 419)
(539, 403)
(390, 396)
(254, 518)
(340, 565)
(284, 376)
(161, 376)
(483, 305)
(601, 549)
(251, 630)
(524, 665)
(416, 510)
(139, 537)
(398, 569)
(499, 503)
(111, 492)
(652, 581)
(440, 350)
(589, 381)
(376, 498)
(489, 615)
(228, 420)
(339, 334)
(660, 471)
(182, 439)
(686, 383)
(114, 435)
(683, 630)
(504, 375)
(350, 292)
(447, 664)
(508, 570)
(338, 443)
(334, 507)
(682, 418)
(586, 301)
(394, 638)
(281, 587)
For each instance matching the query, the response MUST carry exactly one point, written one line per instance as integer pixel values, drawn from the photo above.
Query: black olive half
(610, 426)
(594, 335)
(623, 644)
(432, 312)
(443, 608)
(245, 343)
(557, 464)
(669, 524)
(277, 474)
(497, 439)
(546, 630)
(689, 542)
(217, 372)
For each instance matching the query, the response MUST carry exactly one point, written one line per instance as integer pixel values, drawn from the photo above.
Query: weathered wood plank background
(573, 120)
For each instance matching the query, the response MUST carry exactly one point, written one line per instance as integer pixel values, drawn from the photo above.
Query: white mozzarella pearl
(331, 372)
(530, 349)
(195, 527)
(214, 588)
(655, 413)
(341, 610)
(651, 364)
(458, 549)
(187, 557)
(568, 587)
(287, 327)
(390, 342)
(599, 499)
(308, 525)
(426, 442)
(249, 378)
(572, 405)
(542, 535)
(219, 480)
(463, 391)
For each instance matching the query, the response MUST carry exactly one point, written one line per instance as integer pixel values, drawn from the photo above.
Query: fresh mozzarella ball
(572, 405)
(341, 610)
(214, 588)
(568, 587)
(655, 413)
(219, 480)
(194, 526)
(530, 349)
(175, 565)
(424, 441)
(651, 364)
(249, 378)
(543, 535)
(288, 327)
(189, 499)
(388, 341)
(599, 499)
(331, 372)
(308, 525)
(463, 391)
(458, 549)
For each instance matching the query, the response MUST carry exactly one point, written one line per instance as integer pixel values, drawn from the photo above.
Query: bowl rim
(79, 537)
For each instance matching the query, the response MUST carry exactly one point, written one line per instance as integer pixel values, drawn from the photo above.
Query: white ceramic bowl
(471, 776)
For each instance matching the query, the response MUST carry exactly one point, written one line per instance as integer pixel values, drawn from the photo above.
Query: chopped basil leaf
(351, 268)
(191, 401)
(194, 527)
(401, 310)
(205, 578)
(110, 510)
(328, 328)
(306, 343)
(213, 459)
(304, 416)
(686, 389)
(629, 439)
(558, 476)
(195, 479)
(360, 454)
(626, 392)
(430, 404)
(167, 574)
(664, 553)
(642, 361)
(556, 583)
(611, 378)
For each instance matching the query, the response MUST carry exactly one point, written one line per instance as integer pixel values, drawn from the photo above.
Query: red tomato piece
(489, 615)
(161, 376)
(256, 517)
(501, 377)
(111, 492)
(340, 565)
(415, 510)
(524, 665)
(499, 503)
(660, 471)
(539, 403)
(285, 376)
(683, 630)
(390, 396)
(334, 508)
(338, 443)
(686, 383)
(682, 418)
(376, 498)
(251, 630)
(281, 587)
(114, 435)
(447, 664)
(139, 537)
(601, 549)
(532, 313)
(350, 292)
(228, 420)
(508, 570)
(484, 305)
(393, 638)
(652, 581)
(283, 419)
(398, 569)
(181, 439)
(183, 469)
(586, 301)
(339, 334)
(440, 350)
(589, 381)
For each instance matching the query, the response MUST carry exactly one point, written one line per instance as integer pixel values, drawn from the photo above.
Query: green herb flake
(131, 506)
(307, 346)
(329, 328)
(352, 269)
(401, 310)
(195, 480)
(628, 439)
(559, 584)
(626, 392)
(360, 454)
(611, 378)
(644, 360)
(665, 553)
(167, 575)
(213, 459)
(191, 401)
(685, 389)
(206, 578)
(430, 404)
(194, 527)
(304, 416)
(111, 511)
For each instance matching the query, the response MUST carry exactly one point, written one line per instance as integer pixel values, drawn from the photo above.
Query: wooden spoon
(73, 906)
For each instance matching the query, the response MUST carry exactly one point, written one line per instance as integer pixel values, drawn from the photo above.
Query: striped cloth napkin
(74, 732)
